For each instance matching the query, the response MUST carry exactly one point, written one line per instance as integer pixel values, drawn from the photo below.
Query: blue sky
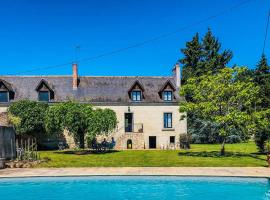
(36, 34)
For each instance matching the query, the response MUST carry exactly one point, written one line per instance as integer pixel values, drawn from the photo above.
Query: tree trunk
(222, 150)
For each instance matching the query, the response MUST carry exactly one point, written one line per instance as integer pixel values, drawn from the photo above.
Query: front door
(128, 122)
(152, 142)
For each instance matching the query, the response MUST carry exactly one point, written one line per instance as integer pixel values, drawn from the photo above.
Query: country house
(147, 107)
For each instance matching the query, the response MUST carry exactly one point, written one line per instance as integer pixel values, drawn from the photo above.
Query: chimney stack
(75, 76)
(177, 75)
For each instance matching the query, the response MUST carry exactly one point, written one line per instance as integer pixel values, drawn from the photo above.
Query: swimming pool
(139, 187)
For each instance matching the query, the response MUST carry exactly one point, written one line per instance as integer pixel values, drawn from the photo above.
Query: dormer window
(136, 92)
(44, 96)
(167, 95)
(166, 92)
(4, 96)
(136, 95)
(45, 92)
(6, 92)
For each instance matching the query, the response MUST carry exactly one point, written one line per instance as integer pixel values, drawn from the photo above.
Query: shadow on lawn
(85, 152)
(216, 154)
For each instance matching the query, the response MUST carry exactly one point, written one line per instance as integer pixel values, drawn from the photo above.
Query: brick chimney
(177, 75)
(75, 76)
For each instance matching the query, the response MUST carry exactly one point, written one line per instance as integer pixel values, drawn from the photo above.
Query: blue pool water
(148, 188)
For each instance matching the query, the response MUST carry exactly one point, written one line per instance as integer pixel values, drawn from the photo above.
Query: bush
(27, 117)
(261, 137)
(185, 140)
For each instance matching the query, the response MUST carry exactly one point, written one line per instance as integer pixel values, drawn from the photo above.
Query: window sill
(168, 129)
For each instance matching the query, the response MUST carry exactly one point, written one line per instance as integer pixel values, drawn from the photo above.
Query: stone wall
(3, 119)
(152, 119)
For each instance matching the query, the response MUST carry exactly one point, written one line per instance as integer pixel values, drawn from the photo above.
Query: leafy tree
(223, 100)
(81, 120)
(202, 57)
(28, 117)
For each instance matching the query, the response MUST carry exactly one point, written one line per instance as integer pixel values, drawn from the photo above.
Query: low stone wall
(136, 141)
(7, 142)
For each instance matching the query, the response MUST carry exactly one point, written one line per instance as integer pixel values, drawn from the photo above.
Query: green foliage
(201, 57)
(261, 129)
(27, 117)
(223, 99)
(261, 116)
(262, 79)
(81, 120)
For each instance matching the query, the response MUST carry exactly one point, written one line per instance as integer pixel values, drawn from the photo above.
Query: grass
(200, 155)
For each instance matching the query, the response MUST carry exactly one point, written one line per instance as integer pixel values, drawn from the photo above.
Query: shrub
(185, 141)
(27, 117)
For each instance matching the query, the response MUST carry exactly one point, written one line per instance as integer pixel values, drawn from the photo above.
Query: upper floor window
(136, 95)
(136, 91)
(167, 95)
(167, 120)
(45, 92)
(4, 96)
(44, 96)
(6, 91)
(166, 92)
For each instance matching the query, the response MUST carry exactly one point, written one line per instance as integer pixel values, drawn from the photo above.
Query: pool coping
(261, 172)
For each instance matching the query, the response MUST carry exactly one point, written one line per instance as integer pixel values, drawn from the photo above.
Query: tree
(203, 57)
(213, 58)
(192, 58)
(76, 121)
(262, 80)
(222, 99)
(28, 117)
(81, 121)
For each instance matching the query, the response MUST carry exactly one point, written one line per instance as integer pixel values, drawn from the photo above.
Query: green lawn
(244, 155)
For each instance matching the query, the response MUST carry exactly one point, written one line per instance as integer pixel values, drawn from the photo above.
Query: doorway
(129, 144)
(128, 122)
(152, 142)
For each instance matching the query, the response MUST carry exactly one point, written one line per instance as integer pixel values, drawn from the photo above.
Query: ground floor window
(172, 139)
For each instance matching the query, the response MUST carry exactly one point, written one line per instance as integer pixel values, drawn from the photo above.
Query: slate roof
(111, 89)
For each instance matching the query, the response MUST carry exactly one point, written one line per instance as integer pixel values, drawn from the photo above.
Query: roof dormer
(136, 92)
(6, 91)
(166, 92)
(45, 91)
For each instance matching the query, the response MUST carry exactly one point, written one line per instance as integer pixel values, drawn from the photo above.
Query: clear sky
(37, 33)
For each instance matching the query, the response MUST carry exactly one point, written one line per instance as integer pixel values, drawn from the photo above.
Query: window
(4, 96)
(167, 120)
(136, 95)
(167, 95)
(172, 139)
(44, 96)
